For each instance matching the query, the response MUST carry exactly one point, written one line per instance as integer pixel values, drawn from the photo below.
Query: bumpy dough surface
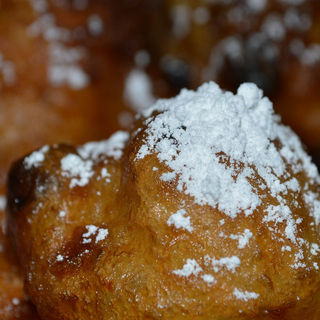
(74, 270)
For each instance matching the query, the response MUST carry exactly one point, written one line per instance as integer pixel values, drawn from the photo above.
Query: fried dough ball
(208, 210)
(273, 43)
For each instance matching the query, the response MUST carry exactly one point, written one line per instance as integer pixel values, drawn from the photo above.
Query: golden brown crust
(131, 273)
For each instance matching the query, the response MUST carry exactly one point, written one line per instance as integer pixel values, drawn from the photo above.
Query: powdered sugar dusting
(313, 200)
(138, 90)
(180, 221)
(208, 278)
(92, 230)
(59, 257)
(214, 142)
(79, 170)
(102, 234)
(112, 147)
(35, 158)
(242, 238)
(190, 268)
(95, 25)
(230, 263)
(245, 295)
(62, 213)
(64, 67)
(315, 249)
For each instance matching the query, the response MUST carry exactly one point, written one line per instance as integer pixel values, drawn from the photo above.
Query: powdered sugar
(256, 5)
(138, 90)
(100, 233)
(79, 170)
(181, 18)
(245, 295)
(190, 268)
(242, 238)
(59, 257)
(64, 68)
(35, 158)
(180, 221)
(315, 249)
(201, 15)
(91, 230)
(274, 27)
(62, 213)
(112, 147)
(279, 214)
(214, 143)
(208, 278)
(95, 25)
(69, 75)
(230, 263)
(313, 201)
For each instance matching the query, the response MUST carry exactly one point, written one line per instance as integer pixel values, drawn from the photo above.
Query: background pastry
(273, 43)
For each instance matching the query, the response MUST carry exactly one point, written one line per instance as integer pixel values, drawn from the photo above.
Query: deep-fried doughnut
(208, 210)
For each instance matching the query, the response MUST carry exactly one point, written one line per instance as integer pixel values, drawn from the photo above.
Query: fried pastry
(209, 209)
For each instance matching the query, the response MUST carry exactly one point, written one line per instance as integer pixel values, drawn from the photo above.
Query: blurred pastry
(63, 66)
(209, 209)
(274, 43)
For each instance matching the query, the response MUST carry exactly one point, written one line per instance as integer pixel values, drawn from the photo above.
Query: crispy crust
(129, 275)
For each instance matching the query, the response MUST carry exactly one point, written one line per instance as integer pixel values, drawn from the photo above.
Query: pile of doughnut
(202, 206)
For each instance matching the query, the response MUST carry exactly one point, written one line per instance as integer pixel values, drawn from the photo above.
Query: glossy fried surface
(74, 270)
